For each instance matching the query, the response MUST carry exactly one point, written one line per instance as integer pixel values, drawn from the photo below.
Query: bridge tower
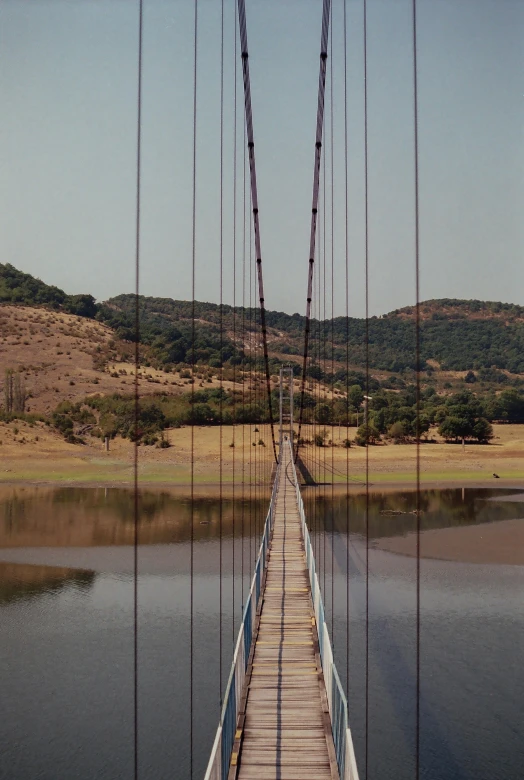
(286, 405)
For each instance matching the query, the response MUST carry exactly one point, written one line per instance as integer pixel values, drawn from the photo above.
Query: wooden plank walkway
(285, 726)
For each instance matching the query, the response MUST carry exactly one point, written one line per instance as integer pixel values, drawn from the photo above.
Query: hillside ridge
(455, 334)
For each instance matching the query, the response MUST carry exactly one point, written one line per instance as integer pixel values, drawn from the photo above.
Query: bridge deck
(287, 729)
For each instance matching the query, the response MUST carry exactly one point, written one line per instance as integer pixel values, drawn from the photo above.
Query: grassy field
(34, 454)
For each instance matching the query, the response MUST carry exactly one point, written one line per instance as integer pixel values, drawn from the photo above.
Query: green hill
(18, 287)
(455, 335)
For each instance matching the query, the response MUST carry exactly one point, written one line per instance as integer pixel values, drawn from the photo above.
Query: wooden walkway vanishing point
(285, 728)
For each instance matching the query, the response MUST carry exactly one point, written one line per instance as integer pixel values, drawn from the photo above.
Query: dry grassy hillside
(65, 357)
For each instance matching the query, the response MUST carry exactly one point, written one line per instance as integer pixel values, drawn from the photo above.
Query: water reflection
(393, 513)
(30, 581)
(66, 611)
(75, 517)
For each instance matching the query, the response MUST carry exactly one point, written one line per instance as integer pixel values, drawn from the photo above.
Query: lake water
(66, 623)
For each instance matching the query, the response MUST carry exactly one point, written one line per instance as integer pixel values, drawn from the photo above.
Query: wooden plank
(283, 729)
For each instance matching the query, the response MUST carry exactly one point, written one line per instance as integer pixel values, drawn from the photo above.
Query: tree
(423, 424)
(378, 419)
(511, 404)
(19, 394)
(397, 432)
(319, 439)
(451, 428)
(15, 393)
(323, 414)
(483, 430)
(8, 390)
(81, 305)
(470, 378)
(314, 371)
(440, 414)
(356, 396)
(367, 434)
(203, 414)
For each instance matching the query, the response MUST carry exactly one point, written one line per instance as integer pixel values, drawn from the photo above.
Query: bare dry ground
(61, 356)
(439, 461)
(66, 358)
(501, 542)
(37, 454)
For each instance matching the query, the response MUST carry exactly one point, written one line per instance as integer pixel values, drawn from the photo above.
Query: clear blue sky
(68, 82)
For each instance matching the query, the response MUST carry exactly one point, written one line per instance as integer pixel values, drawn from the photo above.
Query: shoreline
(228, 488)
(36, 456)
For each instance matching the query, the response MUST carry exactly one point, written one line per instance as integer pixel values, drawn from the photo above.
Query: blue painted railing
(338, 708)
(220, 759)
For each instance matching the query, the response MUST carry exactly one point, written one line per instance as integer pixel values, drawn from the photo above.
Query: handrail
(337, 702)
(219, 761)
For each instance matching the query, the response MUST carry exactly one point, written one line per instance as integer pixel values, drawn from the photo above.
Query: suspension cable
(332, 156)
(326, 12)
(136, 517)
(243, 331)
(417, 356)
(221, 361)
(234, 312)
(324, 358)
(347, 332)
(366, 251)
(254, 195)
(193, 312)
(252, 545)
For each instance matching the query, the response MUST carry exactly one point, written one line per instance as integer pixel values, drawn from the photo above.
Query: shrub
(164, 442)
(367, 434)
(397, 432)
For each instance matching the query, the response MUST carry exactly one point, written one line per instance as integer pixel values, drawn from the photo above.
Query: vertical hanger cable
(193, 312)
(136, 386)
(417, 357)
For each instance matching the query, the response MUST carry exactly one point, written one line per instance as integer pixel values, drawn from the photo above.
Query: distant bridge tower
(286, 404)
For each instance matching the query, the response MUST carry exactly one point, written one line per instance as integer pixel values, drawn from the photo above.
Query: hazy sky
(68, 84)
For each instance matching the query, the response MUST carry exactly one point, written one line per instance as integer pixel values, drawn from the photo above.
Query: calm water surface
(66, 620)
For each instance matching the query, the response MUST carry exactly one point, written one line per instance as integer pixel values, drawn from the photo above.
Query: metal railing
(337, 702)
(220, 759)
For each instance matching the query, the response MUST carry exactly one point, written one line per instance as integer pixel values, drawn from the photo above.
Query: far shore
(35, 460)
(237, 456)
(228, 490)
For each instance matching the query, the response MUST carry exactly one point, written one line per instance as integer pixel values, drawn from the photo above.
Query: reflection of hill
(99, 517)
(449, 508)
(19, 581)
(85, 517)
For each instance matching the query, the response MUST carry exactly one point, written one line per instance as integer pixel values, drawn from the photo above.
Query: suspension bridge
(272, 705)
(285, 713)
